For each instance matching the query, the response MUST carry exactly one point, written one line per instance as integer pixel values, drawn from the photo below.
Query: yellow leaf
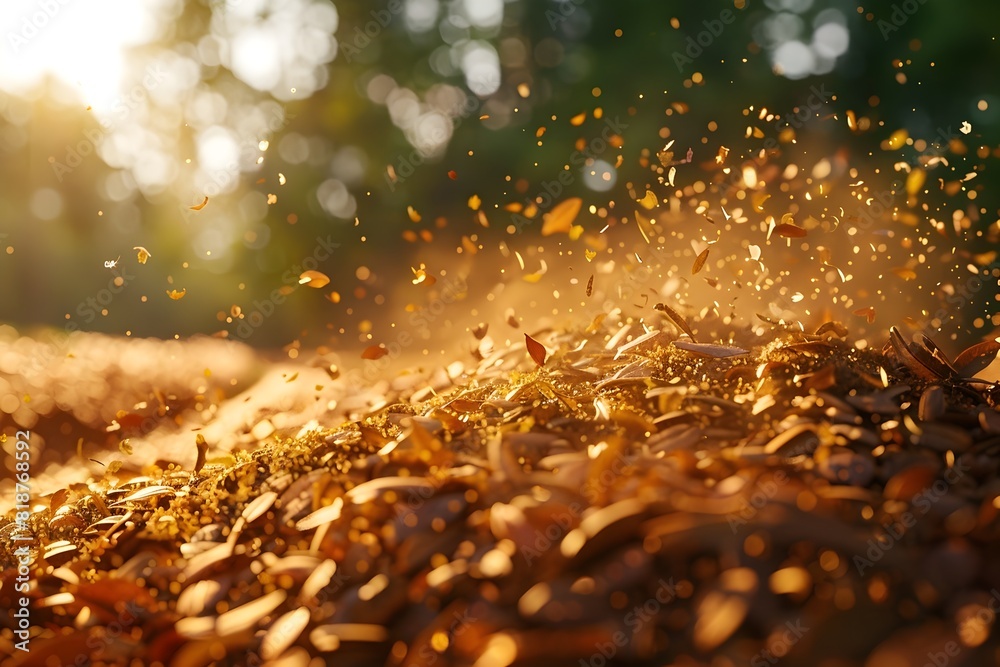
(475, 202)
(314, 279)
(590, 254)
(175, 295)
(143, 254)
(897, 139)
(915, 181)
(412, 212)
(578, 119)
(561, 218)
(198, 207)
(272, 199)
(648, 201)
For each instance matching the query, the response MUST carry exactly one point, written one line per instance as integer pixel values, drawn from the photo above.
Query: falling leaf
(175, 295)
(648, 201)
(590, 254)
(292, 378)
(590, 285)
(898, 139)
(905, 273)
(915, 181)
(578, 119)
(314, 279)
(790, 231)
(125, 447)
(412, 212)
(758, 200)
(699, 261)
(722, 155)
(420, 276)
(198, 207)
(561, 218)
(535, 349)
(143, 254)
(475, 202)
(966, 127)
(512, 318)
(453, 175)
(480, 331)
(114, 467)
(374, 352)
(272, 199)
(281, 178)
(670, 176)
(867, 313)
(676, 318)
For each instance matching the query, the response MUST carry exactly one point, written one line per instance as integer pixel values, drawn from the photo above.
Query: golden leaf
(198, 207)
(143, 254)
(314, 279)
(560, 218)
(374, 352)
(175, 295)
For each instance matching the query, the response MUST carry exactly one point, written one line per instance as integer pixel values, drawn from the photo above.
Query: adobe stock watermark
(249, 150)
(21, 538)
(893, 531)
(780, 644)
(636, 619)
(362, 36)
(407, 164)
(123, 106)
(695, 45)
(450, 291)
(552, 190)
(32, 24)
(264, 308)
(901, 13)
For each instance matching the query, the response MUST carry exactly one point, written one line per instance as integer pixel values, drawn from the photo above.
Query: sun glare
(82, 45)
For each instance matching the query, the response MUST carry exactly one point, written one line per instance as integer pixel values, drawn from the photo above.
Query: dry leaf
(314, 279)
(590, 285)
(699, 261)
(561, 218)
(648, 201)
(374, 352)
(675, 317)
(272, 199)
(175, 295)
(535, 349)
(412, 212)
(142, 254)
(976, 358)
(790, 231)
(198, 207)
(125, 447)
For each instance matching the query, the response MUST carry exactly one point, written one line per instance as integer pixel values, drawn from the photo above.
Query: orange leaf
(700, 261)
(374, 352)
(175, 295)
(314, 279)
(535, 349)
(790, 231)
(198, 207)
(561, 218)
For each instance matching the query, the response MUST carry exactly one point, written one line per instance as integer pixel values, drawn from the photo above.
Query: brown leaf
(374, 352)
(676, 318)
(535, 349)
(790, 231)
(976, 358)
(699, 261)
(560, 218)
(198, 207)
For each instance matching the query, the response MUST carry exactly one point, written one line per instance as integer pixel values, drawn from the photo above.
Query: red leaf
(535, 349)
